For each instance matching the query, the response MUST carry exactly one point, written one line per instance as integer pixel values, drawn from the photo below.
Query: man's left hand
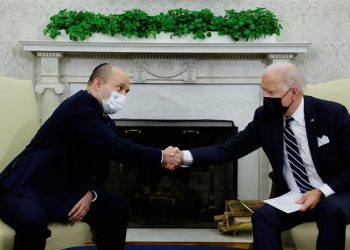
(310, 199)
(80, 209)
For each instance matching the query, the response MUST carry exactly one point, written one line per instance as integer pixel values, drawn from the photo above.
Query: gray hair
(289, 74)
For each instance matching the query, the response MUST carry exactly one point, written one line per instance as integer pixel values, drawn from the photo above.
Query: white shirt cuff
(188, 158)
(94, 194)
(326, 190)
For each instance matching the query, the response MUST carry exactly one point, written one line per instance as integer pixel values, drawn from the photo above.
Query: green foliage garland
(239, 25)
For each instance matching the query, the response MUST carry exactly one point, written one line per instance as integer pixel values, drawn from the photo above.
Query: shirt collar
(299, 115)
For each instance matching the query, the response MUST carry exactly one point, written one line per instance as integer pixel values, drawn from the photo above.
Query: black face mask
(274, 105)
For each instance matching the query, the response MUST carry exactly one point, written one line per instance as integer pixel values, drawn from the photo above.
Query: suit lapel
(311, 129)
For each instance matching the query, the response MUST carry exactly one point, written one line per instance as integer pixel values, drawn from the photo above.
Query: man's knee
(260, 214)
(32, 221)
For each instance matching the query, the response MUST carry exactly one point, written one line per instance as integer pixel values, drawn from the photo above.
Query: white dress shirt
(299, 130)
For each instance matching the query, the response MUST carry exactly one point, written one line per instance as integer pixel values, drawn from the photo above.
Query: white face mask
(114, 103)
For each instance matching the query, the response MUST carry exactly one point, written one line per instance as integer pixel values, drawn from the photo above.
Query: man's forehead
(272, 84)
(120, 79)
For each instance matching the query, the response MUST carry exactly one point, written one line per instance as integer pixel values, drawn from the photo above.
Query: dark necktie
(295, 161)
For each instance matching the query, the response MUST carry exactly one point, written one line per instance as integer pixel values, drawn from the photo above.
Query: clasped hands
(172, 158)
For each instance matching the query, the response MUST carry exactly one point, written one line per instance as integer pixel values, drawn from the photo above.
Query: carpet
(160, 247)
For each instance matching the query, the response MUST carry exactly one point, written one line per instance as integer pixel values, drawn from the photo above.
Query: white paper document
(286, 202)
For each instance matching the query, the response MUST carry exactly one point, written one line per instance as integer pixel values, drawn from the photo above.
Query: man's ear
(295, 90)
(96, 84)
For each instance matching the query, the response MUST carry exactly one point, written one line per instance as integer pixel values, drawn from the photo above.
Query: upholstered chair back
(19, 117)
(338, 91)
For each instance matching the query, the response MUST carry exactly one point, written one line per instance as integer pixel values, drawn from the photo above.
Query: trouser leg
(29, 220)
(333, 214)
(269, 222)
(108, 217)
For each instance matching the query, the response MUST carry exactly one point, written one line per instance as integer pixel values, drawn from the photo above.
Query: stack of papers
(286, 202)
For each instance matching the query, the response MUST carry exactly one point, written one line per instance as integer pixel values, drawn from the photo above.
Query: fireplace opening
(186, 197)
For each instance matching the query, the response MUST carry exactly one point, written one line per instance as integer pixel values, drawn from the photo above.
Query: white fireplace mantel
(182, 80)
(50, 53)
(161, 48)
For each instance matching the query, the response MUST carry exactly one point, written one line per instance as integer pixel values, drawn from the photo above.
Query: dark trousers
(108, 217)
(29, 220)
(332, 215)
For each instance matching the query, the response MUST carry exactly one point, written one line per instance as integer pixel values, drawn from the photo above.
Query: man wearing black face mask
(288, 128)
(274, 104)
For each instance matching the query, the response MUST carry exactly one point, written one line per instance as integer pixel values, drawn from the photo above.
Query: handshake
(172, 158)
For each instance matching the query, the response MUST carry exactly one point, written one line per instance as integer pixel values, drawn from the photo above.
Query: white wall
(324, 23)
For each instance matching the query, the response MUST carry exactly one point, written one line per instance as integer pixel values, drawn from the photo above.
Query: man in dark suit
(307, 141)
(61, 173)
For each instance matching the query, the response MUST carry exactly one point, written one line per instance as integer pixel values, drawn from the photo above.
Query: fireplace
(186, 197)
(194, 80)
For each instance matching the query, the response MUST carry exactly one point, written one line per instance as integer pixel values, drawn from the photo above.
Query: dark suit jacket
(68, 156)
(332, 160)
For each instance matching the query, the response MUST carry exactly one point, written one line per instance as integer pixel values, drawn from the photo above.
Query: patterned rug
(159, 247)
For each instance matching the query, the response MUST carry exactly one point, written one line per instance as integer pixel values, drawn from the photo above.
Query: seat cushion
(62, 236)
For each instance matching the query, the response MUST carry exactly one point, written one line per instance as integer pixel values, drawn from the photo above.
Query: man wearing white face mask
(60, 175)
(114, 103)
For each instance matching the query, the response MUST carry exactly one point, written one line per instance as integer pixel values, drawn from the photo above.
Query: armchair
(19, 123)
(303, 237)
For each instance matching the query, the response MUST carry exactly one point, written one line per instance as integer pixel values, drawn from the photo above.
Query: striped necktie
(295, 161)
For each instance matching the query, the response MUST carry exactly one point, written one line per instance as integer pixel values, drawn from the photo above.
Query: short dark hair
(101, 71)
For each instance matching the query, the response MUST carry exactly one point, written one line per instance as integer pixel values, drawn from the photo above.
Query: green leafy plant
(239, 25)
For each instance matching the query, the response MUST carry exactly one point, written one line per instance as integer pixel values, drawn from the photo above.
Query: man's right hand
(172, 158)
(310, 199)
(81, 208)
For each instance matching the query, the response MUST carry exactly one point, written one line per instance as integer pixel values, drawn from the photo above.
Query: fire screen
(186, 197)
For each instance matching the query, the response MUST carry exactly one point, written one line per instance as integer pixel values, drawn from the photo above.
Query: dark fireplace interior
(186, 197)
